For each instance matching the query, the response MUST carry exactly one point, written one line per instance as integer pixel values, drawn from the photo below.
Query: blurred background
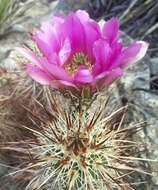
(139, 87)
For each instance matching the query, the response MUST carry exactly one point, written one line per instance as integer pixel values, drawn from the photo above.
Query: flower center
(77, 60)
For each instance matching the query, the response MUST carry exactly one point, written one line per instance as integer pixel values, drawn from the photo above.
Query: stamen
(80, 58)
(76, 61)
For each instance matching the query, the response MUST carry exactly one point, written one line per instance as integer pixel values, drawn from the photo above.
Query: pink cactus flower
(76, 51)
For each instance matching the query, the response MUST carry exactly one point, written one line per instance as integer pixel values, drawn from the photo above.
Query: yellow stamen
(76, 61)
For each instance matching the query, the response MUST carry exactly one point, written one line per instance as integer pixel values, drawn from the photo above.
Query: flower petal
(73, 29)
(102, 52)
(92, 33)
(142, 51)
(83, 76)
(133, 53)
(112, 76)
(49, 36)
(115, 53)
(91, 29)
(56, 71)
(66, 83)
(44, 47)
(108, 77)
(101, 24)
(46, 40)
(28, 54)
(65, 52)
(39, 75)
(111, 30)
(82, 15)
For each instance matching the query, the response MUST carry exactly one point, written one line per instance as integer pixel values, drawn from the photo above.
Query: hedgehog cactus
(75, 152)
(71, 145)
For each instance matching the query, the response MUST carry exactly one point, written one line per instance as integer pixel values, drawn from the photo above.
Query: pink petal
(115, 53)
(83, 76)
(92, 33)
(58, 20)
(73, 29)
(65, 52)
(55, 84)
(82, 15)
(66, 83)
(49, 36)
(56, 71)
(44, 47)
(59, 84)
(39, 75)
(142, 51)
(101, 24)
(28, 54)
(133, 53)
(102, 52)
(108, 77)
(111, 30)
(102, 75)
(54, 59)
(91, 29)
(47, 40)
(113, 75)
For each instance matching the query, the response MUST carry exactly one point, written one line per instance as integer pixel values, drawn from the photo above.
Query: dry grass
(12, 12)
